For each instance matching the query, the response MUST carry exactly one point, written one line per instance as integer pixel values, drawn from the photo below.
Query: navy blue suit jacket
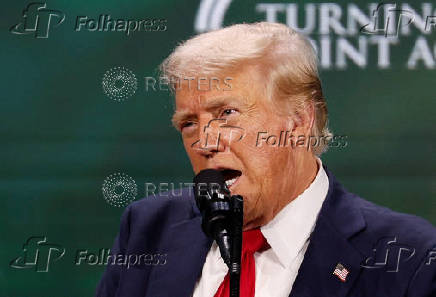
(386, 253)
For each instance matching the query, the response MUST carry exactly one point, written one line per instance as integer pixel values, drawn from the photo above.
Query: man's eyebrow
(210, 105)
(218, 102)
(180, 116)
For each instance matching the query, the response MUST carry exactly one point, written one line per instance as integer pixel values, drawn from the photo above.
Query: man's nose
(211, 137)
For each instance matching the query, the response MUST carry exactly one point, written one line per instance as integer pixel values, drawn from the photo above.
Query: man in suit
(304, 234)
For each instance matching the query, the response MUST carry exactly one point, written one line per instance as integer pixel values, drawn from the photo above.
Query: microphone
(213, 200)
(222, 220)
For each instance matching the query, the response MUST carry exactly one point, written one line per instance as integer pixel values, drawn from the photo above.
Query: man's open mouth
(231, 176)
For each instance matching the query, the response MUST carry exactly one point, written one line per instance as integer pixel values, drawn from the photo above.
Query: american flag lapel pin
(341, 272)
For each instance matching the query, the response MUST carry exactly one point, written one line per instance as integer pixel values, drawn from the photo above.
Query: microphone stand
(224, 223)
(236, 206)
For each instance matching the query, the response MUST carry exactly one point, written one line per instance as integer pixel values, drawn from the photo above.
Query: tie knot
(253, 241)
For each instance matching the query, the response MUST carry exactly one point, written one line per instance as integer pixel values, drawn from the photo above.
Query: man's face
(267, 176)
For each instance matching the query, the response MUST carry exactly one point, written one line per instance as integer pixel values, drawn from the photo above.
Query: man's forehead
(206, 102)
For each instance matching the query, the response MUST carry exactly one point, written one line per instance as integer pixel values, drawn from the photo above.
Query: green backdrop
(61, 136)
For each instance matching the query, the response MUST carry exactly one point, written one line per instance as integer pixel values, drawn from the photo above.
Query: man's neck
(309, 169)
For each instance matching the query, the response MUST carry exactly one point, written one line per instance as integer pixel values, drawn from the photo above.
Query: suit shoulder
(166, 207)
(382, 221)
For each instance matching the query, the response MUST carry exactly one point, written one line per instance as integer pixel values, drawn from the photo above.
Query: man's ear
(304, 119)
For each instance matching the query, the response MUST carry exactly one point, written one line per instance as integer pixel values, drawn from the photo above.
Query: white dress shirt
(287, 234)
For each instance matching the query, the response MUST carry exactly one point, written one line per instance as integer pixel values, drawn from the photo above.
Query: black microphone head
(206, 183)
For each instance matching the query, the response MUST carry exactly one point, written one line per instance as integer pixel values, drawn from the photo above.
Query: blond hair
(287, 58)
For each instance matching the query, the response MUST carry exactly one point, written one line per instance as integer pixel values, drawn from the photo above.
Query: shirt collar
(290, 229)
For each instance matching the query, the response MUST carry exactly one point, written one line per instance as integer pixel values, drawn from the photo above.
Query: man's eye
(186, 125)
(228, 111)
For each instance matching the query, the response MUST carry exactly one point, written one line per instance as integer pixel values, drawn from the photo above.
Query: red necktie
(252, 241)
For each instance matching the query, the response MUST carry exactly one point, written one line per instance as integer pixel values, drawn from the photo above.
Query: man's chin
(250, 225)
(251, 221)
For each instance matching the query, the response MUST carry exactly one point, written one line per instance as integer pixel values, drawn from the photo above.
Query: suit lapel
(186, 248)
(330, 245)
